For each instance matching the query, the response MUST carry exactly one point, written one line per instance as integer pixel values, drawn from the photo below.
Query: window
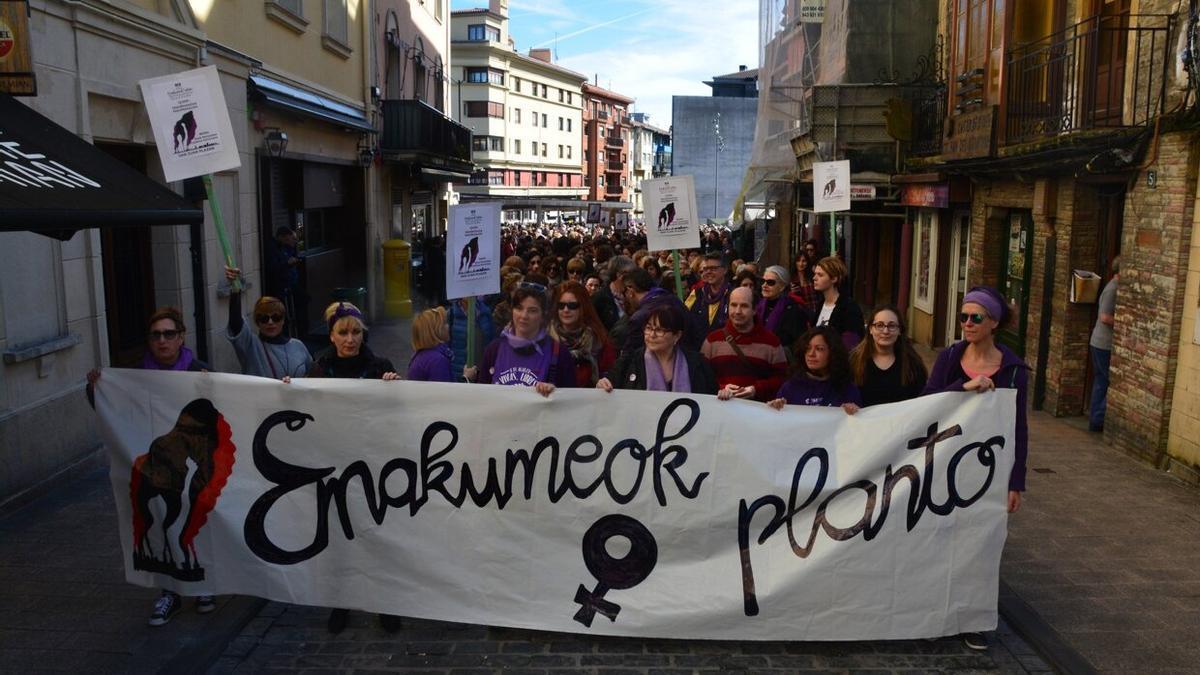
(516, 146)
(290, 13)
(545, 123)
(568, 152)
(602, 132)
(485, 109)
(485, 76)
(487, 144)
(533, 148)
(544, 150)
(568, 124)
(534, 119)
(337, 22)
(600, 179)
(517, 84)
(439, 9)
(516, 115)
(545, 91)
(483, 33)
(569, 96)
(560, 152)
(561, 124)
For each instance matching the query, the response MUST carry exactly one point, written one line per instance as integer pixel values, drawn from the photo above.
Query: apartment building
(606, 144)
(650, 150)
(524, 112)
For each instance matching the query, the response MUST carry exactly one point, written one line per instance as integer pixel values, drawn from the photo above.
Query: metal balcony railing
(928, 119)
(614, 141)
(1103, 72)
(416, 131)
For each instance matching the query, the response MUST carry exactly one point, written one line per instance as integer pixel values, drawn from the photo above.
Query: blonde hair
(267, 303)
(429, 329)
(344, 320)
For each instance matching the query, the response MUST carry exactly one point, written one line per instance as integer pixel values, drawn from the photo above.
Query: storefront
(939, 218)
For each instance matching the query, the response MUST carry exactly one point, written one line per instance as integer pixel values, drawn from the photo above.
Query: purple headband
(988, 299)
(344, 310)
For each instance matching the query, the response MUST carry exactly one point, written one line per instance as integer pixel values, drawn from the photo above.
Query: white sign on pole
(191, 123)
(622, 221)
(492, 505)
(831, 186)
(671, 213)
(812, 11)
(473, 250)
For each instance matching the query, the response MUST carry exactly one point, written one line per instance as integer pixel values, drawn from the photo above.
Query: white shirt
(825, 315)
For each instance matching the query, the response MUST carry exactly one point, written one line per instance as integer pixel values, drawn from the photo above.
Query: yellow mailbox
(397, 273)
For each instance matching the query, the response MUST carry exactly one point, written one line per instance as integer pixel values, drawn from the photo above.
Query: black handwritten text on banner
(630, 513)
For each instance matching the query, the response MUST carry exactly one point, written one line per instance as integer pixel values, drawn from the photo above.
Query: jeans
(1100, 362)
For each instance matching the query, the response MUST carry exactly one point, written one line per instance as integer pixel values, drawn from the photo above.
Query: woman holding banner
(822, 374)
(271, 353)
(577, 326)
(525, 354)
(431, 352)
(165, 351)
(978, 363)
(662, 364)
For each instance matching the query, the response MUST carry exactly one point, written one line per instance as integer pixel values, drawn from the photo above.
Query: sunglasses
(769, 282)
(532, 286)
(568, 305)
(156, 335)
(972, 317)
(269, 318)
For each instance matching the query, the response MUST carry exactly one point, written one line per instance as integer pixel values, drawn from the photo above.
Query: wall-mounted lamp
(366, 151)
(276, 141)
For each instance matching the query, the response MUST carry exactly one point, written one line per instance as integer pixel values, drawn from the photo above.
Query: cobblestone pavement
(287, 638)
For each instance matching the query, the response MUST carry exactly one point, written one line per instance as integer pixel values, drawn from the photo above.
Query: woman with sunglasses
(978, 363)
(822, 374)
(165, 351)
(577, 326)
(271, 353)
(662, 364)
(778, 312)
(884, 365)
(525, 354)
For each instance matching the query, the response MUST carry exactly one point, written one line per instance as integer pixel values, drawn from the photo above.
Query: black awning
(53, 182)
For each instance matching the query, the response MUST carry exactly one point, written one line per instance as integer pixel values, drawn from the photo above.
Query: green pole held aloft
(219, 222)
(678, 279)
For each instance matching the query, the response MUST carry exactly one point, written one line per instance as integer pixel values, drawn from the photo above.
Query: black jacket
(365, 366)
(847, 319)
(606, 306)
(629, 372)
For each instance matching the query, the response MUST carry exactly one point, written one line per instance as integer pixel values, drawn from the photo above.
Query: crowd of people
(584, 310)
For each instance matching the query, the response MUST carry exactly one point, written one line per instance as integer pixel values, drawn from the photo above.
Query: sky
(649, 50)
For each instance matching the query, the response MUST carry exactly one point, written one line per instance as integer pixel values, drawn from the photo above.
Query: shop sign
(16, 53)
(862, 193)
(972, 135)
(812, 11)
(932, 195)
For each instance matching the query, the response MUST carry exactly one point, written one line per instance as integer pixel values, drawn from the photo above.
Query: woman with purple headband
(347, 356)
(978, 363)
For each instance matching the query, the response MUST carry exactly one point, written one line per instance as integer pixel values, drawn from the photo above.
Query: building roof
(649, 127)
(749, 74)
(601, 92)
(546, 64)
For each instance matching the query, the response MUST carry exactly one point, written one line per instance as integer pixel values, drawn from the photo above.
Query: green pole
(219, 222)
(678, 280)
(471, 331)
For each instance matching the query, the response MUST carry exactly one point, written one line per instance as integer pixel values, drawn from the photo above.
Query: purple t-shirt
(801, 390)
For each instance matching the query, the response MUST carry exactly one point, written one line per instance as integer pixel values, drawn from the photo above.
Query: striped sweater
(762, 364)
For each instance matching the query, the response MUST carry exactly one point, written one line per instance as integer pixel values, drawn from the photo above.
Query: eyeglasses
(156, 335)
(568, 305)
(269, 318)
(972, 317)
(885, 327)
(769, 282)
(656, 331)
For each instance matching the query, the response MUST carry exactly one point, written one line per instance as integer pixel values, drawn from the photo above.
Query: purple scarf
(771, 322)
(657, 381)
(182, 363)
(517, 342)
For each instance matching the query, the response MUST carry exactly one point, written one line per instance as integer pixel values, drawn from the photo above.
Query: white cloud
(671, 51)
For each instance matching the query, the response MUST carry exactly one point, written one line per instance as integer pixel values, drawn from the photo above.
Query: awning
(297, 100)
(53, 182)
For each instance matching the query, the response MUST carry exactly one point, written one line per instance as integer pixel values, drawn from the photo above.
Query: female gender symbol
(613, 573)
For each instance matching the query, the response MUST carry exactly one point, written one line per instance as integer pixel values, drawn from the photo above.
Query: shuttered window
(337, 21)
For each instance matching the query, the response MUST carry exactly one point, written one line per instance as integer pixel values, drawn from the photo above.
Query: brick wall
(1157, 237)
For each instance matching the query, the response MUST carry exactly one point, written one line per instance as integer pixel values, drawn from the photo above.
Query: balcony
(602, 114)
(1102, 73)
(928, 120)
(614, 142)
(613, 190)
(615, 166)
(415, 132)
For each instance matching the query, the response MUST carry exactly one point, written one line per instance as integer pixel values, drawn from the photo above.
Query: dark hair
(839, 362)
(714, 255)
(808, 267)
(527, 289)
(912, 368)
(171, 313)
(639, 278)
(668, 316)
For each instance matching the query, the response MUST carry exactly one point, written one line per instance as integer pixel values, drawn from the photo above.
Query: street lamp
(276, 141)
(718, 146)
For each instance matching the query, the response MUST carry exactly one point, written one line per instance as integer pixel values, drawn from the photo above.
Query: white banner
(473, 250)
(831, 186)
(631, 513)
(191, 123)
(670, 213)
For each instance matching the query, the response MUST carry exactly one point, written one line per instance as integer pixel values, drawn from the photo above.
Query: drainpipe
(1043, 357)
